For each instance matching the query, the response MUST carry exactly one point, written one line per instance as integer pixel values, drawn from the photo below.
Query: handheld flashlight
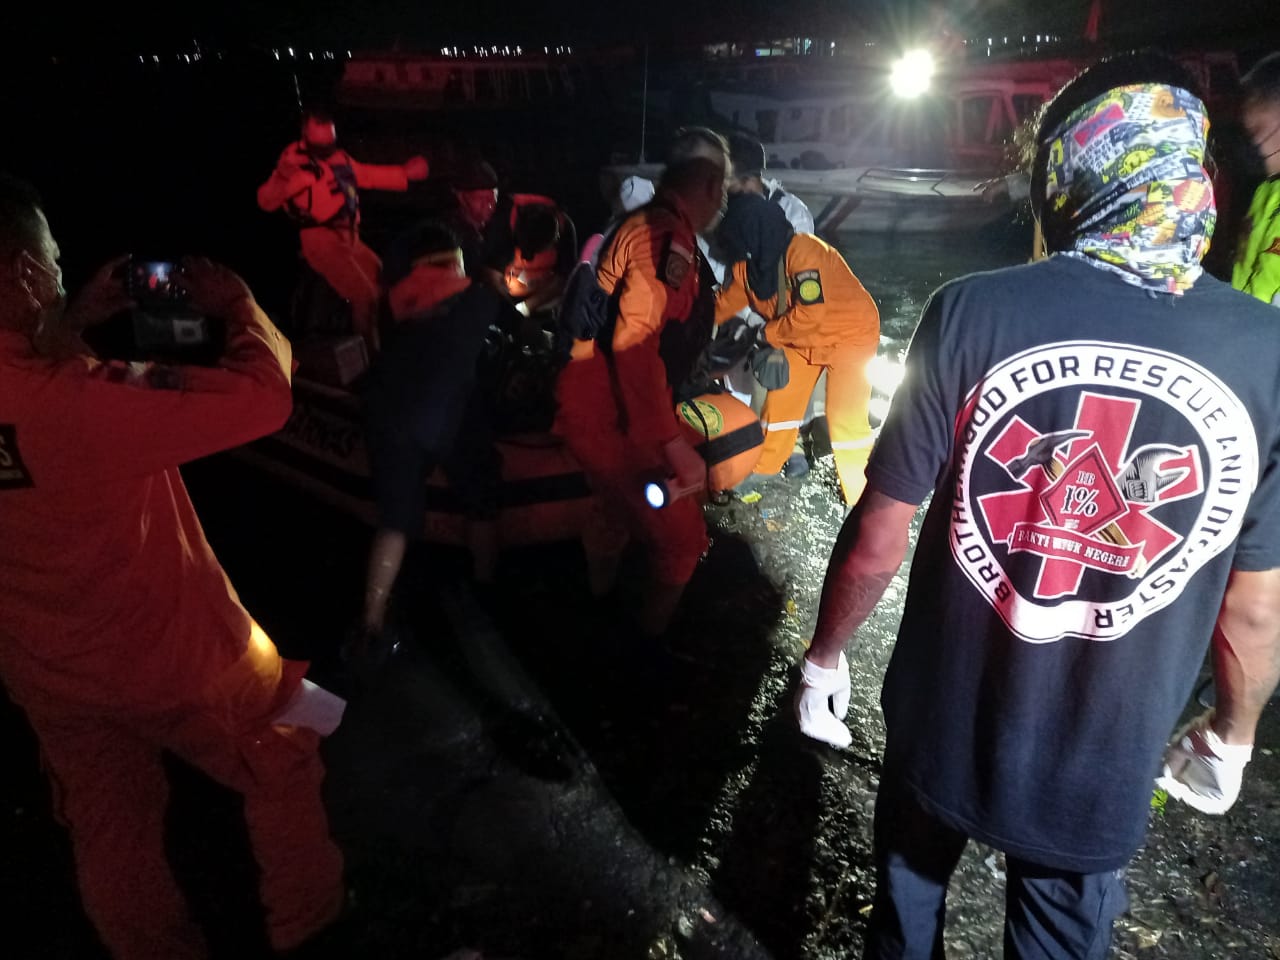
(666, 490)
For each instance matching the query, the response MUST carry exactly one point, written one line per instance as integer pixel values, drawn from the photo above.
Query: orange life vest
(727, 434)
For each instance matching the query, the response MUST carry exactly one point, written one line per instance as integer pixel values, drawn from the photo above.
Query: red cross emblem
(1084, 499)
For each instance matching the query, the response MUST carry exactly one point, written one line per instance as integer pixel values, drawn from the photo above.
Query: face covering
(756, 230)
(47, 293)
(322, 151)
(1126, 187)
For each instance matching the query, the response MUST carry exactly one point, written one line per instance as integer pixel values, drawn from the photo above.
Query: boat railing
(921, 182)
(934, 180)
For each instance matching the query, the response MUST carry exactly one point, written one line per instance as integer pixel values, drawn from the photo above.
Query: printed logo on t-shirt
(13, 473)
(1094, 481)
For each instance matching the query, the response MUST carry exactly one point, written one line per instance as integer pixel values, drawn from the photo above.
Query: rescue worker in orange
(543, 249)
(317, 183)
(121, 637)
(820, 315)
(520, 244)
(615, 405)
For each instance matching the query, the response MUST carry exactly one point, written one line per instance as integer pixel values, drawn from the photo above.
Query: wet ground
(529, 780)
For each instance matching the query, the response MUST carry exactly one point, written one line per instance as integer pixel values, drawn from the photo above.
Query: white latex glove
(822, 702)
(1201, 770)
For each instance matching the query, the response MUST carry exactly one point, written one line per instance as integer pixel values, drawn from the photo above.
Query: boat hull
(544, 496)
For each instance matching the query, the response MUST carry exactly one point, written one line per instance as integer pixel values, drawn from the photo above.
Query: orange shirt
(110, 596)
(652, 264)
(826, 305)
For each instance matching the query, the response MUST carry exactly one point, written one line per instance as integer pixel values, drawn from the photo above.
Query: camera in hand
(165, 326)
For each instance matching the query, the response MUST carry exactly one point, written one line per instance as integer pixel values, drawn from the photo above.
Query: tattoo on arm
(853, 584)
(846, 604)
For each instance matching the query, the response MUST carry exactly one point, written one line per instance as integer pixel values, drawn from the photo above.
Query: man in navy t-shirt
(1100, 434)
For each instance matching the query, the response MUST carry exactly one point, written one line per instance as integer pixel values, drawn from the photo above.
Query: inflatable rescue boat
(544, 495)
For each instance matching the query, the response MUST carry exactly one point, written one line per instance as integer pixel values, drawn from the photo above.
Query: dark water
(901, 272)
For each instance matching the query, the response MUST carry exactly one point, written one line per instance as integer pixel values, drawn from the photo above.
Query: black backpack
(585, 309)
(686, 347)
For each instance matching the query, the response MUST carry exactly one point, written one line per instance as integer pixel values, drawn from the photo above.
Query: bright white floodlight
(912, 74)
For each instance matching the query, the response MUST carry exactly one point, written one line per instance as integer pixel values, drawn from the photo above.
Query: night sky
(51, 28)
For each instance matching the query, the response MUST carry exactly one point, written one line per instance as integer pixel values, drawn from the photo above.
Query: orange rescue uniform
(322, 195)
(616, 421)
(827, 321)
(122, 637)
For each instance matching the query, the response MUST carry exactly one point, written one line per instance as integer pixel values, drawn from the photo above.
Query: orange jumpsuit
(122, 637)
(615, 423)
(323, 196)
(827, 321)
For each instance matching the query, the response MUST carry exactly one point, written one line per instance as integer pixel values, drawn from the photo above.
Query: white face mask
(45, 289)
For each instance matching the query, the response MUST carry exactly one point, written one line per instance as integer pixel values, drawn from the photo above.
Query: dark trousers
(1049, 914)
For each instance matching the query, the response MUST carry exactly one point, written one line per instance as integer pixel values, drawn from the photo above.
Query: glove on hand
(1201, 770)
(822, 702)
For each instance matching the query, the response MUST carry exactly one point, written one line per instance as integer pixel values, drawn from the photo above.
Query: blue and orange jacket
(324, 192)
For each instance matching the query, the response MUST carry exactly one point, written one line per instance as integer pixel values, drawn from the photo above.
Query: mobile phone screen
(155, 281)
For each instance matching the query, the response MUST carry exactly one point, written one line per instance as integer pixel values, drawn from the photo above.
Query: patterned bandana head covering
(1126, 189)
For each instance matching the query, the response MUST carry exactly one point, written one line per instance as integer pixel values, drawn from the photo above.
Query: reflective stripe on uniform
(785, 425)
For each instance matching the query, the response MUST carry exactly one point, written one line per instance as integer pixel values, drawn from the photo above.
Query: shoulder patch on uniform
(677, 260)
(809, 287)
(13, 472)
